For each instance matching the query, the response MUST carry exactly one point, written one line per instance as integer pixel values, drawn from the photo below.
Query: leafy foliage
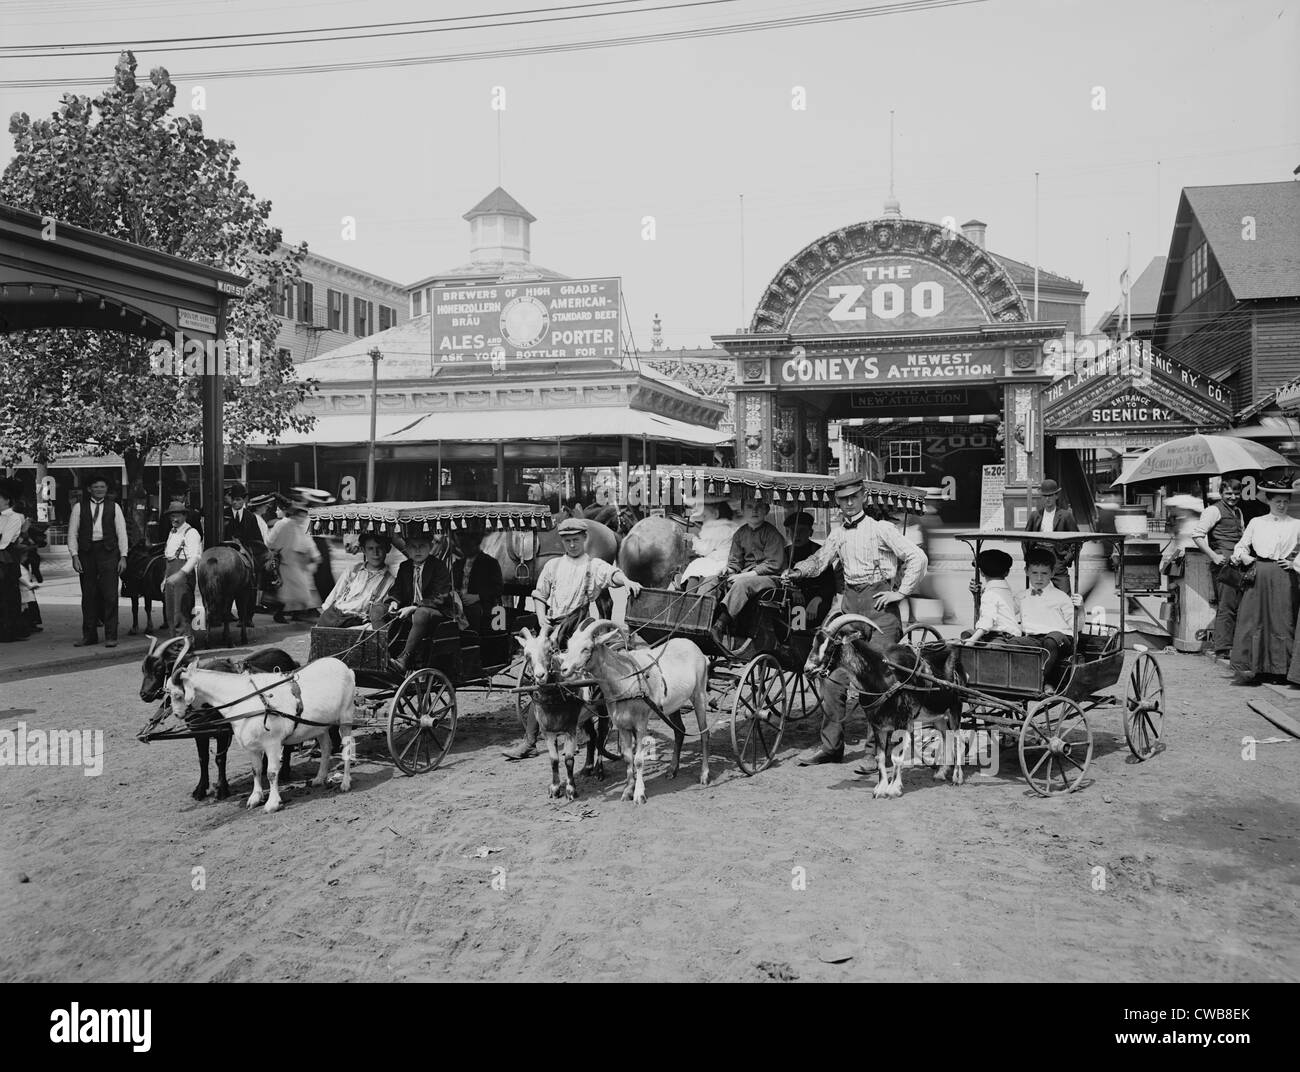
(121, 165)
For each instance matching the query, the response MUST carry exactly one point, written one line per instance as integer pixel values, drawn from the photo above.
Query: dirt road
(748, 879)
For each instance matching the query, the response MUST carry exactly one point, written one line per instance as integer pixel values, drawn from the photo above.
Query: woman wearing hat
(298, 558)
(712, 546)
(182, 553)
(1266, 620)
(12, 625)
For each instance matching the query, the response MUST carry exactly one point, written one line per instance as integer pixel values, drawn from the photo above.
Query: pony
(160, 661)
(142, 580)
(225, 578)
(654, 552)
(889, 694)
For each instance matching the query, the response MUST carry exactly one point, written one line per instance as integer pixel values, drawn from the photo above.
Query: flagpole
(1128, 288)
(1035, 246)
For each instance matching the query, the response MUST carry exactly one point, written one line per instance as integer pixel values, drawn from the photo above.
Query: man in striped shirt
(872, 554)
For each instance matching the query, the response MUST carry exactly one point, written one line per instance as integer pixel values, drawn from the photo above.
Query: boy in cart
(565, 590)
(1042, 618)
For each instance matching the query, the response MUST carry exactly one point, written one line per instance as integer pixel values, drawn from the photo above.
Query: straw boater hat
(1185, 502)
(258, 501)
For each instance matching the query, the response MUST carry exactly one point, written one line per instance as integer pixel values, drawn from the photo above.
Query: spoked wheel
(422, 721)
(1144, 707)
(758, 714)
(524, 700)
(917, 637)
(805, 697)
(1055, 746)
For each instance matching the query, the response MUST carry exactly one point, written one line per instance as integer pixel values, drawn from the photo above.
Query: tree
(121, 165)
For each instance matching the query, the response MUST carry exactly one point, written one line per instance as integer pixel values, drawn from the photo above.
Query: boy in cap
(182, 553)
(1046, 612)
(565, 589)
(756, 559)
(818, 592)
(872, 553)
(1049, 516)
(998, 616)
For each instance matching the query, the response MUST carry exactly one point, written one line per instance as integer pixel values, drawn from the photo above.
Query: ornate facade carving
(914, 237)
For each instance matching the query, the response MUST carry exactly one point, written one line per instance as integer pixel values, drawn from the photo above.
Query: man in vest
(882, 567)
(1216, 533)
(183, 550)
(97, 541)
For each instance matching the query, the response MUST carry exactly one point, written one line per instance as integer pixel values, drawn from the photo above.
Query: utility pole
(375, 358)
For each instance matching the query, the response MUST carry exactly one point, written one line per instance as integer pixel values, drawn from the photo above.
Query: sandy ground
(980, 882)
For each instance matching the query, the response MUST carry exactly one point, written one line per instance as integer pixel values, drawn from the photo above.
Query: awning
(551, 424)
(466, 426)
(340, 429)
(1268, 427)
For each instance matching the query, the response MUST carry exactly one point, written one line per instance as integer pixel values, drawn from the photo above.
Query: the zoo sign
(889, 293)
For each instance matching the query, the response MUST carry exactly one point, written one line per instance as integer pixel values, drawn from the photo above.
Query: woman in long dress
(298, 558)
(712, 546)
(1266, 620)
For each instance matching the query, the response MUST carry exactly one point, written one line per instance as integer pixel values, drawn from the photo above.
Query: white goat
(638, 681)
(320, 694)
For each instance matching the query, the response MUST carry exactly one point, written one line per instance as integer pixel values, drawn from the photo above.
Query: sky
(1116, 104)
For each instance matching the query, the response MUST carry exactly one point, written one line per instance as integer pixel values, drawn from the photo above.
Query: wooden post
(501, 471)
(212, 481)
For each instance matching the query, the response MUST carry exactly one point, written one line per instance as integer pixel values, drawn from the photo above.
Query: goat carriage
(416, 706)
(759, 676)
(1014, 685)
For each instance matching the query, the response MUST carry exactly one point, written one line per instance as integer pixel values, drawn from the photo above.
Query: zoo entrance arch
(896, 321)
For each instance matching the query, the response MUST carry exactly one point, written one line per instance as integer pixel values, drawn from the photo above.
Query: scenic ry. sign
(528, 321)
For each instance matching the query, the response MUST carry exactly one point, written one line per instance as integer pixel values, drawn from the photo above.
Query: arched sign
(887, 293)
(888, 275)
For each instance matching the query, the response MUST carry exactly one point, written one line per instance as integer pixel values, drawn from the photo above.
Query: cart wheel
(758, 714)
(1144, 707)
(918, 636)
(524, 700)
(422, 721)
(1055, 746)
(805, 697)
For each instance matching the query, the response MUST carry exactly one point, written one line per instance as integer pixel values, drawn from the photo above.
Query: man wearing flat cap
(1050, 516)
(565, 590)
(873, 554)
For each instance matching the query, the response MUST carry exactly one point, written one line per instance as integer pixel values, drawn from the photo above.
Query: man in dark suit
(98, 542)
(421, 594)
(244, 524)
(1050, 516)
(477, 578)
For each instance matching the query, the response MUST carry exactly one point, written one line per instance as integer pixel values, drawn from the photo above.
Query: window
(905, 457)
(1200, 270)
(286, 305)
(363, 315)
(387, 317)
(306, 303)
(338, 310)
(416, 303)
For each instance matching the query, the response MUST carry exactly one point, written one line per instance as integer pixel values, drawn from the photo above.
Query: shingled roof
(1267, 266)
(498, 201)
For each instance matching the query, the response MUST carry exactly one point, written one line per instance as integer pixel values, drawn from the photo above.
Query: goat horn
(602, 626)
(180, 659)
(153, 643)
(843, 620)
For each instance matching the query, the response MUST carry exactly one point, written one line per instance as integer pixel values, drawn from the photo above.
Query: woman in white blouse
(1265, 638)
(712, 546)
